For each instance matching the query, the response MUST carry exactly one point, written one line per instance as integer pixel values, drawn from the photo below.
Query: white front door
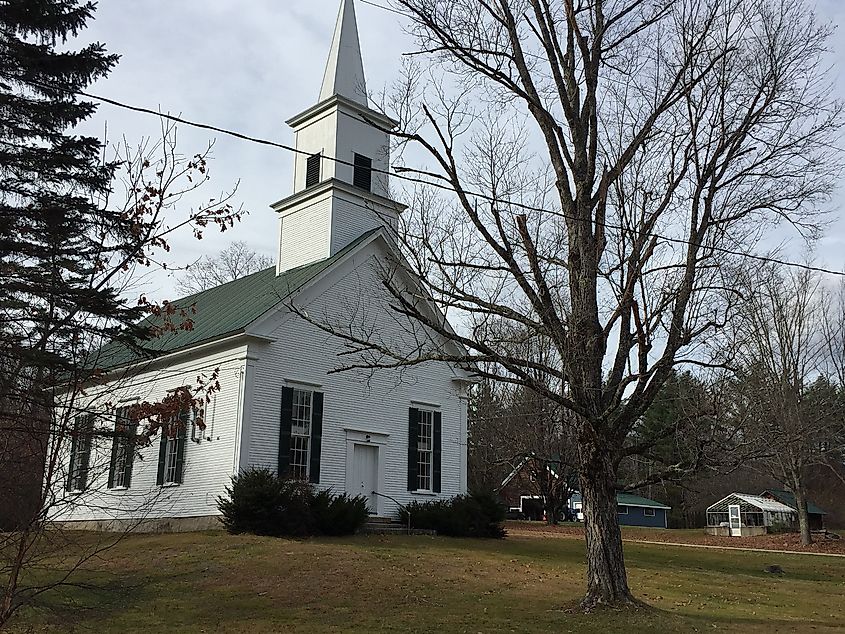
(734, 520)
(365, 474)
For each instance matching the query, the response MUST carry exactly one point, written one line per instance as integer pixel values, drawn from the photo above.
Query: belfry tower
(340, 184)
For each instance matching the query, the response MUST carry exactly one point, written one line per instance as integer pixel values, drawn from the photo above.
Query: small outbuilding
(816, 515)
(632, 510)
(520, 490)
(745, 515)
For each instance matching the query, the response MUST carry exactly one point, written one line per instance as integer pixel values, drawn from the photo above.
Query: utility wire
(492, 199)
(381, 6)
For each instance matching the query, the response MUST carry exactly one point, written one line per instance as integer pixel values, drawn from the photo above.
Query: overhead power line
(386, 8)
(441, 186)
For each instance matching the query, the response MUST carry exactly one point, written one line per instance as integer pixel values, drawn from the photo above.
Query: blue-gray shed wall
(636, 517)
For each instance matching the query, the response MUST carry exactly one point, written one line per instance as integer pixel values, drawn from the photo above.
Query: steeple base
(316, 223)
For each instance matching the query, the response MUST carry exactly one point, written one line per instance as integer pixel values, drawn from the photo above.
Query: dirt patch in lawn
(785, 541)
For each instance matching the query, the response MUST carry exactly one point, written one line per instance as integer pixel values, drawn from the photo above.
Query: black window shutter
(316, 437)
(284, 430)
(87, 437)
(74, 438)
(312, 170)
(162, 452)
(413, 438)
(436, 458)
(115, 443)
(363, 172)
(181, 441)
(130, 456)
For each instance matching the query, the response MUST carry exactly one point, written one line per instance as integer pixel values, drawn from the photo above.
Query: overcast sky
(249, 66)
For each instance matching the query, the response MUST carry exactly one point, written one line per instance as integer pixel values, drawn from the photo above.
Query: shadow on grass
(215, 581)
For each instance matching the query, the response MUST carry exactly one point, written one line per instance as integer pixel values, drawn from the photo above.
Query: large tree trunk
(607, 580)
(803, 514)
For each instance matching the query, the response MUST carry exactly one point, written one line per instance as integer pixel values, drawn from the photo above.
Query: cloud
(250, 66)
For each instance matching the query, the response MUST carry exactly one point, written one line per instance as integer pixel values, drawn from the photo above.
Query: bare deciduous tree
(793, 402)
(594, 167)
(47, 408)
(232, 263)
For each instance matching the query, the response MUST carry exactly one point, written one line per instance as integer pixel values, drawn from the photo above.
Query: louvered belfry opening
(363, 174)
(312, 170)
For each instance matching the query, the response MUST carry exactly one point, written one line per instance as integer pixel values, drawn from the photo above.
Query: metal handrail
(401, 506)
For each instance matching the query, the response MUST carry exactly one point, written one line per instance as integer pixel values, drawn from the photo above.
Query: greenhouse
(743, 515)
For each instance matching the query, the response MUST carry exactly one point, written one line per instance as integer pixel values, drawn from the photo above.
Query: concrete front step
(388, 526)
(377, 519)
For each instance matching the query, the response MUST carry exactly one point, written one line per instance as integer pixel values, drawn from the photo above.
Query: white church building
(393, 436)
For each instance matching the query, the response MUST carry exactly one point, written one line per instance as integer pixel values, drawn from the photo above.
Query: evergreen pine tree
(56, 233)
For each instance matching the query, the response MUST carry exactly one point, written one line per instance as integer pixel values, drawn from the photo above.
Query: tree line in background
(771, 411)
(595, 178)
(600, 173)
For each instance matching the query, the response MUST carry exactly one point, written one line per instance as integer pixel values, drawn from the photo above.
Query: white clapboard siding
(353, 217)
(376, 401)
(296, 352)
(208, 465)
(304, 235)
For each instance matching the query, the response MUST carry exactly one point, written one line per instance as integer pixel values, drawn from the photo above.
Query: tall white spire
(344, 74)
(337, 201)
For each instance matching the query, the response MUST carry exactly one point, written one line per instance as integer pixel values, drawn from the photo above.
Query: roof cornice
(334, 184)
(367, 114)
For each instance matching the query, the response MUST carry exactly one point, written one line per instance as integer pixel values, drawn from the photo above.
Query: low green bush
(261, 503)
(474, 515)
(338, 514)
(253, 503)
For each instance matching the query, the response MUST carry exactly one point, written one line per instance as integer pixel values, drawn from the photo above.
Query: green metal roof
(788, 498)
(221, 311)
(628, 499)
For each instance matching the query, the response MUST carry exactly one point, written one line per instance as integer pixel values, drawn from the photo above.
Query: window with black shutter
(122, 450)
(301, 434)
(424, 450)
(363, 175)
(80, 452)
(171, 453)
(312, 170)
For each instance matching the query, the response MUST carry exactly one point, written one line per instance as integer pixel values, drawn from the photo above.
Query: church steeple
(344, 73)
(340, 185)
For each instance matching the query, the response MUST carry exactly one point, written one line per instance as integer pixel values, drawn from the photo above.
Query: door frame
(370, 439)
(738, 527)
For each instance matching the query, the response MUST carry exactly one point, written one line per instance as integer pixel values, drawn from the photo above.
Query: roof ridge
(222, 314)
(211, 288)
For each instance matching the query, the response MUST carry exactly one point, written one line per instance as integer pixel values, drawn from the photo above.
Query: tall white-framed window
(425, 450)
(124, 446)
(83, 430)
(171, 459)
(300, 433)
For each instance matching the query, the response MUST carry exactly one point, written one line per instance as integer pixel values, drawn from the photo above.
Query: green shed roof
(222, 311)
(788, 498)
(628, 499)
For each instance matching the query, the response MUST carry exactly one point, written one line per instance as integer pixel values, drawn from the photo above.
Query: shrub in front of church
(338, 514)
(261, 503)
(474, 515)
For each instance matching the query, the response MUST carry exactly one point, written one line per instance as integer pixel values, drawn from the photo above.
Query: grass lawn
(215, 582)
